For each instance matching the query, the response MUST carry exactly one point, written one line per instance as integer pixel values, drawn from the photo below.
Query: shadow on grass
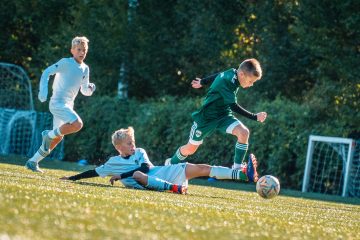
(251, 187)
(95, 184)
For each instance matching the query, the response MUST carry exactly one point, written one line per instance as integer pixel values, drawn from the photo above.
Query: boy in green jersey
(217, 113)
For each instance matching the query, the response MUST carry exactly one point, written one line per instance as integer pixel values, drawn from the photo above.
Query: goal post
(20, 124)
(328, 166)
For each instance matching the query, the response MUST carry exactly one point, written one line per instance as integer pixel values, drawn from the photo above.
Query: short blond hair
(251, 66)
(79, 41)
(120, 135)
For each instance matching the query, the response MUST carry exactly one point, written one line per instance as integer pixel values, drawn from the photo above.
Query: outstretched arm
(199, 82)
(86, 174)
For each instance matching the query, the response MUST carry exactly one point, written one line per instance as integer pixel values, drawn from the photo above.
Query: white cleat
(33, 166)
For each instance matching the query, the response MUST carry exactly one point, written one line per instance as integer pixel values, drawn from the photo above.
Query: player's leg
(182, 153)
(233, 126)
(70, 123)
(197, 134)
(41, 153)
(158, 184)
(218, 172)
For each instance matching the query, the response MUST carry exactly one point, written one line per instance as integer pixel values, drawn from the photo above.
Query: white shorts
(63, 113)
(174, 174)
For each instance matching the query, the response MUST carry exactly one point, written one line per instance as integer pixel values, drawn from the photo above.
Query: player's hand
(92, 87)
(196, 83)
(42, 97)
(114, 178)
(64, 178)
(261, 116)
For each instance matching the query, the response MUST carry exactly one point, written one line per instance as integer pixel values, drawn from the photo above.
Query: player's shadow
(96, 184)
(224, 184)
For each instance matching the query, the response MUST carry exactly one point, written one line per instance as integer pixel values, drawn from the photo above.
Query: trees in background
(309, 51)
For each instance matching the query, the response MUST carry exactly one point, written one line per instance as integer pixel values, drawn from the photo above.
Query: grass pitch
(40, 206)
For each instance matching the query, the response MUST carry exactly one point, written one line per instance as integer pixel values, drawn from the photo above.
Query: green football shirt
(221, 94)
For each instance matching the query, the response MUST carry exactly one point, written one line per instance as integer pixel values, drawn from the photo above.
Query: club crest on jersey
(136, 161)
(198, 133)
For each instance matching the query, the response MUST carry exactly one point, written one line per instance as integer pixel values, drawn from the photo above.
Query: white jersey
(69, 79)
(118, 165)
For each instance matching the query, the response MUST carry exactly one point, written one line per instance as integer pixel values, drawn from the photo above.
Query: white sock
(237, 165)
(157, 184)
(227, 173)
(220, 172)
(38, 156)
(55, 133)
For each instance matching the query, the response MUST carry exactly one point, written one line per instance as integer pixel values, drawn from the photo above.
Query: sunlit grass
(39, 206)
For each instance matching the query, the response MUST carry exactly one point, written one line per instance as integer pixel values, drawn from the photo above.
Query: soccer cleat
(180, 189)
(167, 162)
(251, 172)
(46, 141)
(33, 166)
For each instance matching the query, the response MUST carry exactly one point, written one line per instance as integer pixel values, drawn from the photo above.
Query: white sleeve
(87, 88)
(108, 170)
(44, 80)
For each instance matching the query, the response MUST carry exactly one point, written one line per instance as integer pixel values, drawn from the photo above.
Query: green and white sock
(240, 152)
(178, 157)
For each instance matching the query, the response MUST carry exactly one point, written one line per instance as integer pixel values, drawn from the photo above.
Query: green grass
(39, 206)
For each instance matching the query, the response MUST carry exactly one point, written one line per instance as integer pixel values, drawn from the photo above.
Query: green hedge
(162, 125)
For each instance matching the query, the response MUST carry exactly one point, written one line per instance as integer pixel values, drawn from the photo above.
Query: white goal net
(332, 166)
(20, 124)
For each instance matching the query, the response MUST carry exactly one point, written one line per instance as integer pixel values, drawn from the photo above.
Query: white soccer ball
(268, 186)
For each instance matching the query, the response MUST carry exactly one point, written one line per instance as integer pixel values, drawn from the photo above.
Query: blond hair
(79, 41)
(251, 66)
(120, 135)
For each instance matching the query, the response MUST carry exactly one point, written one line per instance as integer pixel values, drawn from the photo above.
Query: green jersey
(221, 95)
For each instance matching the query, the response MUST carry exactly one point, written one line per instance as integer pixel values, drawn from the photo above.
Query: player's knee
(77, 125)
(189, 149)
(244, 132)
(139, 176)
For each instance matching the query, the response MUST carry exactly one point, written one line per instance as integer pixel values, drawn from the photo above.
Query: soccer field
(39, 206)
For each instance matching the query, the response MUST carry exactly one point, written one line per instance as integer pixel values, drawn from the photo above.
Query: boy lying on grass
(134, 169)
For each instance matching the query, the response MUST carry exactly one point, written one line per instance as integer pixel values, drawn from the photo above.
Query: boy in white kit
(72, 75)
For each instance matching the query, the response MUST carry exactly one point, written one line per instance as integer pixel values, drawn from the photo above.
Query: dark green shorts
(201, 130)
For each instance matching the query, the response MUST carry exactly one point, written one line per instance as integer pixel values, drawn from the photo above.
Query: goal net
(332, 166)
(20, 124)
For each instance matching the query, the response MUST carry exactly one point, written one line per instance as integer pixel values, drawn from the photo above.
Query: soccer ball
(268, 186)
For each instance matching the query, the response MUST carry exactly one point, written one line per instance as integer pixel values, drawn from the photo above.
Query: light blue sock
(158, 184)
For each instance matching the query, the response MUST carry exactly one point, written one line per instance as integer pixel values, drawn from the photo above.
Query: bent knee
(189, 149)
(138, 176)
(243, 132)
(77, 125)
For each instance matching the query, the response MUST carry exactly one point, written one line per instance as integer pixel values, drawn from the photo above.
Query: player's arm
(144, 168)
(87, 88)
(86, 174)
(44, 80)
(199, 82)
(242, 111)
